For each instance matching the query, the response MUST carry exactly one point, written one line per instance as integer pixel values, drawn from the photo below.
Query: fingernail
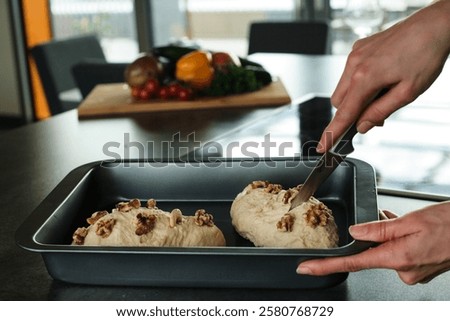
(357, 231)
(303, 270)
(365, 126)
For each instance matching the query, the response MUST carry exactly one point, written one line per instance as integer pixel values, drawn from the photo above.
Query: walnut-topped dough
(265, 218)
(129, 224)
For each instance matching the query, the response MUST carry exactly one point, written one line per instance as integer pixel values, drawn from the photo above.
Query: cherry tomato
(135, 92)
(185, 94)
(174, 88)
(144, 94)
(152, 86)
(164, 92)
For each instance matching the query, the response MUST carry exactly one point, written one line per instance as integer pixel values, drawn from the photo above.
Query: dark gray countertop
(37, 157)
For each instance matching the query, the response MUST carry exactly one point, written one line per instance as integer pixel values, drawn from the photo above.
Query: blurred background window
(218, 24)
(112, 20)
(410, 152)
(225, 24)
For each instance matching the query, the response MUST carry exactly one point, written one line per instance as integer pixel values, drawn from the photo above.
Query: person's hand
(416, 245)
(404, 59)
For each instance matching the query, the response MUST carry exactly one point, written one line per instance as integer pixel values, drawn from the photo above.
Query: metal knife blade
(325, 166)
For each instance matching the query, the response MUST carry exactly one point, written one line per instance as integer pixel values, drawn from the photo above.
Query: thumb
(380, 231)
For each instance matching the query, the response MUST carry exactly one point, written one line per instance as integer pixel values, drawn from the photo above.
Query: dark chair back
(289, 37)
(54, 61)
(90, 72)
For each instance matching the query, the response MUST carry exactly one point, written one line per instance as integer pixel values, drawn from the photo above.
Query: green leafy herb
(238, 80)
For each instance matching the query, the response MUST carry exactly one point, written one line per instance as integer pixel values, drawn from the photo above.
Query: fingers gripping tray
(350, 192)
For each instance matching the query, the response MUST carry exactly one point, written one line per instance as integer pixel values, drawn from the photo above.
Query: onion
(142, 69)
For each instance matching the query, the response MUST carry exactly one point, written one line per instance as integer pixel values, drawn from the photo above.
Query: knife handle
(344, 145)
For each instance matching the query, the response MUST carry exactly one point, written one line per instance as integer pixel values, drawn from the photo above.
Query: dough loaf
(260, 213)
(129, 224)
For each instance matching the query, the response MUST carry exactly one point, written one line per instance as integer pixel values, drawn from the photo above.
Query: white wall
(9, 82)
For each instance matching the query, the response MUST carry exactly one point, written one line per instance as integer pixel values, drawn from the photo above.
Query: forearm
(440, 11)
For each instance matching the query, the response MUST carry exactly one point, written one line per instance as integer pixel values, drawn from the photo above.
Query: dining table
(37, 156)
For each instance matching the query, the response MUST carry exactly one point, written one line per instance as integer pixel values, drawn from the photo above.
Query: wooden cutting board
(115, 100)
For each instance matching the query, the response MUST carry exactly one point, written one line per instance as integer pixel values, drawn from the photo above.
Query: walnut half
(144, 223)
(96, 216)
(104, 227)
(317, 215)
(259, 184)
(128, 206)
(202, 218)
(273, 188)
(268, 187)
(286, 223)
(151, 203)
(79, 235)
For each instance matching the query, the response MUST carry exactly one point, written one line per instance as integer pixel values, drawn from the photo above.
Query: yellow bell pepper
(195, 69)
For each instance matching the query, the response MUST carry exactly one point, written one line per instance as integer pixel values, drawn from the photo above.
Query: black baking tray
(350, 192)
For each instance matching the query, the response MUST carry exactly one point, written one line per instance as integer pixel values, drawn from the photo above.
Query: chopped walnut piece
(286, 223)
(202, 218)
(96, 216)
(317, 214)
(127, 206)
(144, 223)
(273, 188)
(268, 187)
(259, 184)
(135, 203)
(287, 196)
(104, 227)
(79, 235)
(151, 203)
(175, 217)
(123, 206)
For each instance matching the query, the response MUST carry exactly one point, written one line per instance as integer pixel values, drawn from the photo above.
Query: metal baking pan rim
(80, 173)
(353, 247)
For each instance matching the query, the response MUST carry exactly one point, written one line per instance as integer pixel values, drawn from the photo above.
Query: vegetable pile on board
(182, 73)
